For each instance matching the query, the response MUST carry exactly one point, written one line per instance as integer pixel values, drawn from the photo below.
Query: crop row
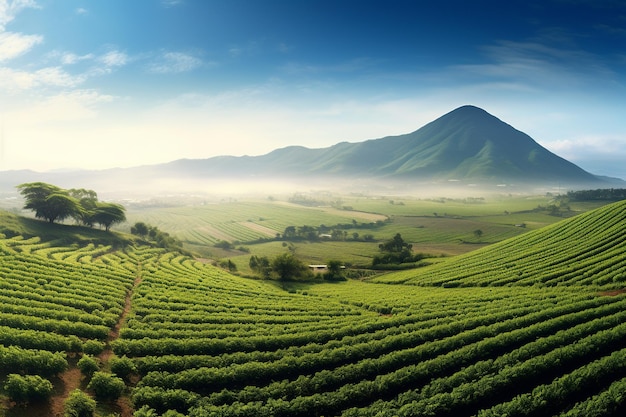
(14, 359)
(588, 249)
(462, 348)
(55, 298)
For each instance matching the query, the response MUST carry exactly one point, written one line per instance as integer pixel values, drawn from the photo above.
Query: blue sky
(117, 83)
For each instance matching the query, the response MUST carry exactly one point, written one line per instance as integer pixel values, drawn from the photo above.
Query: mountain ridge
(467, 145)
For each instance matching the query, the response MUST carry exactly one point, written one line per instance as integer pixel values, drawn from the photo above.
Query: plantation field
(433, 226)
(587, 249)
(243, 221)
(467, 336)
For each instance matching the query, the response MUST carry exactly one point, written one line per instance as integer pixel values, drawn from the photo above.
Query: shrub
(123, 366)
(79, 404)
(106, 386)
(27, 388)
(145, 411)
(88, 365)
(93, 347)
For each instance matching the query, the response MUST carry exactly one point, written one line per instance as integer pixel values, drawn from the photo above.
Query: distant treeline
(609, 194)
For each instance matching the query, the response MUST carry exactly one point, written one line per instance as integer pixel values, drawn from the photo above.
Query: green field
(439, 227)
(458, 338)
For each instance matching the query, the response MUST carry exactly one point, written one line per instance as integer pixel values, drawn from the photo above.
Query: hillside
(13, 225)
(466, 144)
(589, 249)
(186, 336)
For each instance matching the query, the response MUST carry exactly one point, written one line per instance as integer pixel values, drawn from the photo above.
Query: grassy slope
(13, 225)
(589, 248)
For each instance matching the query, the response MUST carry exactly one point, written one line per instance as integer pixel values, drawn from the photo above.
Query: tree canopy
(55, 204)
(288, 267)
(394, 251)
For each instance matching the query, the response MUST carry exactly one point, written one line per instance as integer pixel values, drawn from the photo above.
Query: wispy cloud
(597, 144)
(69, 58)
(114, 59)
(81, 10)
(15, 80)
(174, 62)
(538, 64)
(8, 10)
(15, 44)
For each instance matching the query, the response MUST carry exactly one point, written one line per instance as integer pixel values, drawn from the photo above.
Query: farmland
(440, 226)
(456, 338)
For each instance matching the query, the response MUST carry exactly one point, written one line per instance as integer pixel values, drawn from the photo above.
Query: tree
(53, 203)
(288, 267)
(261, 265)
(478, 233)
(162, 239)
(395, 245)
(140, 229)
(290, 232)
(49, 201)
(334, 271)
(88, 199)
(394, 251)
(107, 214)
(60, 206)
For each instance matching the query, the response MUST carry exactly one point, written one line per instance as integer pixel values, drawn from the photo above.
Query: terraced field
(461, 338)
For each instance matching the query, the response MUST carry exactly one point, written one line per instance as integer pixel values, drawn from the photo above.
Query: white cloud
(175, 62)
(540, 65)
(56, 76)
(15, 80)
(8, 9)
(12, 80)
(16, 44)
(114, 59)
(81, 10)
(69, 58)
(597, 144)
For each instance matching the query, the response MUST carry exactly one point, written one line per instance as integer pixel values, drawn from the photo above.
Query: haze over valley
(466, 150)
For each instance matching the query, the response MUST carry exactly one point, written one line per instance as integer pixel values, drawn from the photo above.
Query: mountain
(466, 146)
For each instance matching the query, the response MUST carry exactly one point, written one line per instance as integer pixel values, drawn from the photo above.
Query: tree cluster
(287, 267)
(284, 267)
(396, 251)
(55, 204)
(161, 238)
(608, 194)
(336, 232)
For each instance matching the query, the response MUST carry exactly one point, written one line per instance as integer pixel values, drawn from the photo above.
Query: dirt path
(72, 378)
(69, 381)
